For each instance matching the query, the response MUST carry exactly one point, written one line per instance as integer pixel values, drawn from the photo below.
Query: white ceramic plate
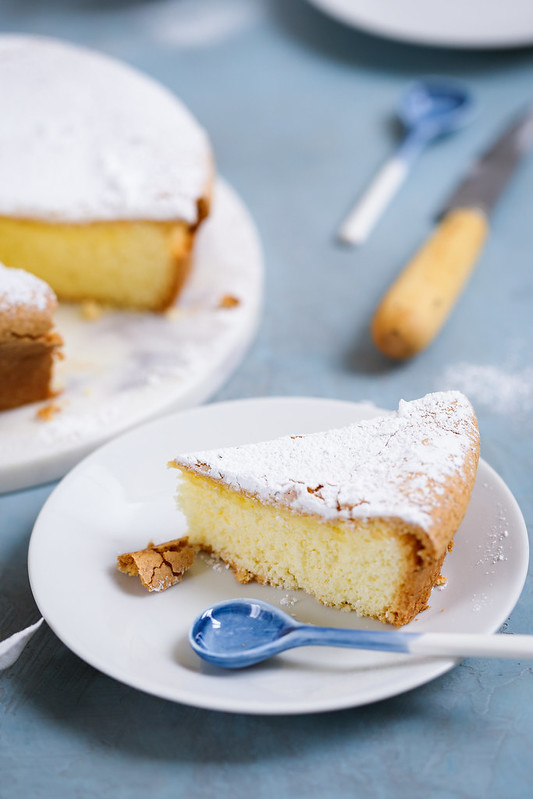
(454, 23)
(125, 368)
(122, 496)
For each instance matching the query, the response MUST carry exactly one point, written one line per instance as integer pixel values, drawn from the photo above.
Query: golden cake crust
(26, 366)
(28, 343)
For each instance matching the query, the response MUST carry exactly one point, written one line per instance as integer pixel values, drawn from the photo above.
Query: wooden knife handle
(419, 301)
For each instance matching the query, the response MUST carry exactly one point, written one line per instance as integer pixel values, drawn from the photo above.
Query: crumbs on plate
(91, 310)
(48, 412)
(158, 566)
(228, 301)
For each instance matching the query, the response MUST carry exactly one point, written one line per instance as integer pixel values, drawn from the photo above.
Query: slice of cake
(28, 342)
(361, 517)
(105, 175)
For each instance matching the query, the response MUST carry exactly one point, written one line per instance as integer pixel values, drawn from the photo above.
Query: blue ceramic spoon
(241, 632)
(428, 109)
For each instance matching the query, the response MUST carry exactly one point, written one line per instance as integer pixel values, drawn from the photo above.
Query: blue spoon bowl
(433, 107)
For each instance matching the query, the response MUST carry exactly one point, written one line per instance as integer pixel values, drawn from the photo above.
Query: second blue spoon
(429, 109)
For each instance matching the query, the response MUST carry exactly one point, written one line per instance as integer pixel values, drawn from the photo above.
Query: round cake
(105, 175)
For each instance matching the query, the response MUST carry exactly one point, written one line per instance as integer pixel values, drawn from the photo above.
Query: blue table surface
(300, 113)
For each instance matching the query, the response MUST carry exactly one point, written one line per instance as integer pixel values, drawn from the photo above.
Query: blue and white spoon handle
(364, 215)
(362, 218)
(434, 644)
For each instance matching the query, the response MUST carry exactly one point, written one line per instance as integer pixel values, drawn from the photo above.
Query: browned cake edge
(26, 366)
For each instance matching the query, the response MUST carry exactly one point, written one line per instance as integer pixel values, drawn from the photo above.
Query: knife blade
(485, 181)
(420, 300)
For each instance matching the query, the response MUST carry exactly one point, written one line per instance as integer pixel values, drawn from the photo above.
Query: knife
(420, 300)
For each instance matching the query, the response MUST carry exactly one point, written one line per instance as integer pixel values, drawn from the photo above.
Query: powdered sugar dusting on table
(188, 24)
(19, 289)
(505, 389)
(387, 466)
(86, 138)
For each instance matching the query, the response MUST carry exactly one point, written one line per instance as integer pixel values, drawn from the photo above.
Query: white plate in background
(124, 368)
(122, 496)
(454, 23)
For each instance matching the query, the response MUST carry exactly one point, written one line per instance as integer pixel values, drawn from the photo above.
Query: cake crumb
(91, 310)
(228, 301)
(158, 566)
(213, 561)
(47, 412)
(441, 580)
(243, 575)
(173, 313)
(288, 601)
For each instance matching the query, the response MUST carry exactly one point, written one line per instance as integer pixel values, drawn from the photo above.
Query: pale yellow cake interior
(368, 563)
(131, 264)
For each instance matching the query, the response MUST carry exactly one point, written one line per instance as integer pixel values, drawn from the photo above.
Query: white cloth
(11, 648)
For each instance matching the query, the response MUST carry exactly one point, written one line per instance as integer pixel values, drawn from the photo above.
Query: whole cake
(105, 175)
(28, 342)
(361, 517)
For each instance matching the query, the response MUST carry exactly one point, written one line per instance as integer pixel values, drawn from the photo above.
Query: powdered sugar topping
(19, 289)
(86, 138)
(387, 466)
